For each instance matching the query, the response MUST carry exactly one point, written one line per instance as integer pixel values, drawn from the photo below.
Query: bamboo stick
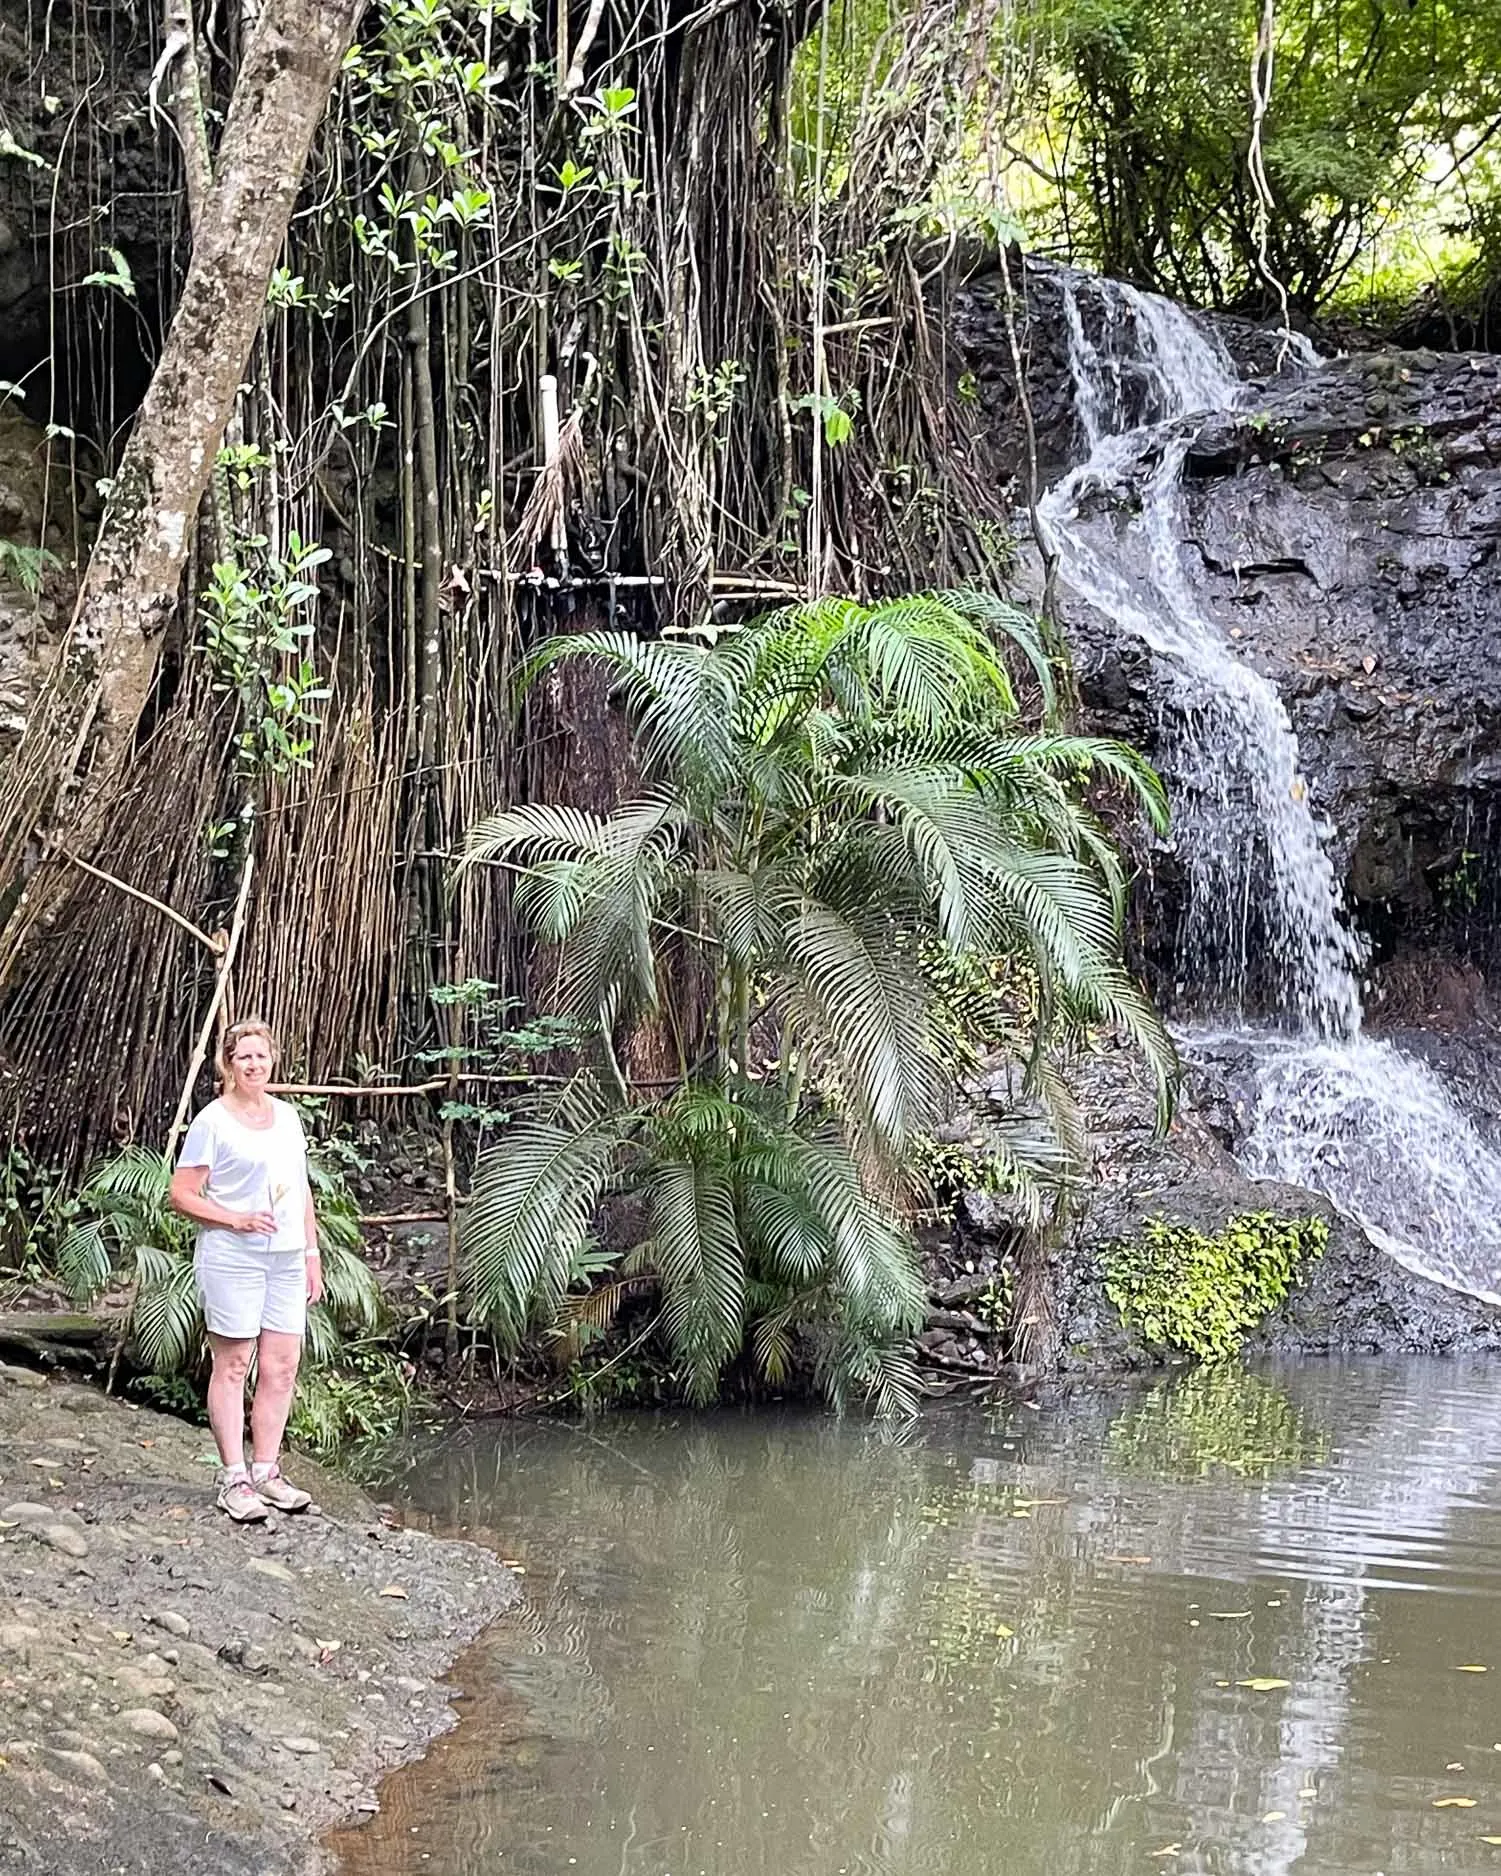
(223, 966)
(98, 872)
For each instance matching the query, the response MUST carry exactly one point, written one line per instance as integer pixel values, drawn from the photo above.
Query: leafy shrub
(1179, 1289)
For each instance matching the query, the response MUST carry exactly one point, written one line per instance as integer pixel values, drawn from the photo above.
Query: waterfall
(1263, 939)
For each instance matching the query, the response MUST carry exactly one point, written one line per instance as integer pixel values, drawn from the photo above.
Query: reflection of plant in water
(1214, 1420)
(963, 1616)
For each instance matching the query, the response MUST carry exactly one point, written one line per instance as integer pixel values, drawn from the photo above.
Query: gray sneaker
(281, 1494)
(238, 1499)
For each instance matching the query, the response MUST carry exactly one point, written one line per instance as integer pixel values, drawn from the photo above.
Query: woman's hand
(314, 1277)
(263, 1224)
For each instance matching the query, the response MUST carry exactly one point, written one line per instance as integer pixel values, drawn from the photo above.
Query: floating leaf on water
(1454, 1765)
(1472, 1667)
(1309, 1791)
(1490, 1839)
(1273, 1817)
(1460, 1804)
(1229, 1615)
(395, 1589)
(1263, 1683)
(1168, 1849)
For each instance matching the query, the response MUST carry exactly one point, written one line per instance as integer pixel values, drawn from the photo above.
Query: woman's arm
(314, 1260)
(186, 1195)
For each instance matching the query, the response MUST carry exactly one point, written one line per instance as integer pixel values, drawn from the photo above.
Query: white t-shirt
(252, 1169)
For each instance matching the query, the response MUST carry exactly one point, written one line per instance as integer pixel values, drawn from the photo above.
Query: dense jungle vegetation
(494, 655)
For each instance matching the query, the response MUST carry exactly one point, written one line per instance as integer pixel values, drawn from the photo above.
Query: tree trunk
(130, 589)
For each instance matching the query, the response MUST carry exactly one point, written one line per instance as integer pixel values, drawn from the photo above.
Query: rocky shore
(179, 1693)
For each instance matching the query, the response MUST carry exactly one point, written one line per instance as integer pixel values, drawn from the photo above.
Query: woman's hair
(236, 1034)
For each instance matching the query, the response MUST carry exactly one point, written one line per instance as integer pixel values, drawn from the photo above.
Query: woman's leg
(226, 1398)
(276, 1376)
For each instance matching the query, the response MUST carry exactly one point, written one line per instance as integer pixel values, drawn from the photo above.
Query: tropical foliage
(1183, 1289)
(1378, 140)
(838, 803)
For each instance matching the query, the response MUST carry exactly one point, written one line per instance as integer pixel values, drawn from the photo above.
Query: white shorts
(246, 1289)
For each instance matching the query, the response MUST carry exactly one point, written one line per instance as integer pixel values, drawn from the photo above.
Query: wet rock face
(1344, 530)
(1042, 339)
(1353, 1300)
(1348, 533)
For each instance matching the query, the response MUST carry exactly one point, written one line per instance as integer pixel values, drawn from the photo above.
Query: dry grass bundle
(322, 960)
(98, 1032)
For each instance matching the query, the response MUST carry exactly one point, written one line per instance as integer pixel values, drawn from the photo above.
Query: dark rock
(1345, 531)
(980, 327)
(1354, 1299)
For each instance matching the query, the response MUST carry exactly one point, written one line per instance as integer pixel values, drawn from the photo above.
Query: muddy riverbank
(176, 1692)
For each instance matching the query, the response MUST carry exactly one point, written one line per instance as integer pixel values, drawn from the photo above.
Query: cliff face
(1348, 533)
(1337, 532)
(1345, 533)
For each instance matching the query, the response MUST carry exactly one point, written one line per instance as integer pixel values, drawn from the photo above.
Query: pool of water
(1004, 1643)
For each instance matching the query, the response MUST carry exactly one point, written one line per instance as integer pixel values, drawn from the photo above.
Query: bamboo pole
(224, 964)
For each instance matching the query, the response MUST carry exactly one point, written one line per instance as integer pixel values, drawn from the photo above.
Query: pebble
(21, 1377)
(300, 1745)
(130, 1680)
(63, 1537)
(147, 1723)
(155, 1771)
(172, 1622)
(17, 1634)
(171, 1758)
(268, 1566)
(81, 1765)
(23, 1511)
(407, 1684)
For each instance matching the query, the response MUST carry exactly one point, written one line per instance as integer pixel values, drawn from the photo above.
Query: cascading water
(1337, 1111)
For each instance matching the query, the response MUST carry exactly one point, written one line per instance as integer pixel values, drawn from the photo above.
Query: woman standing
(242, 1177)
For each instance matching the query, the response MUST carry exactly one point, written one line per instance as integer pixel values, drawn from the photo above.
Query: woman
(242, 1177)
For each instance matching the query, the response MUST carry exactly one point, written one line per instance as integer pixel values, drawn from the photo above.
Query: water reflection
(1012, 1644)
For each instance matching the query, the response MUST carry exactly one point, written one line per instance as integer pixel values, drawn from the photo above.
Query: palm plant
(840, 801)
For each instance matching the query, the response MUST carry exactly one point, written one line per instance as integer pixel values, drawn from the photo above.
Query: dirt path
(177, 1693)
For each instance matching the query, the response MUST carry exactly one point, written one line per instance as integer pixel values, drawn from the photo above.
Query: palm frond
(697, 1253)
(677, 695)
(351, 1295)
(873, 1262)
(1008, 623)
(857, 994)
(529, 1211)
(86, 1258)
(167, 1320)
(856, 1368)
